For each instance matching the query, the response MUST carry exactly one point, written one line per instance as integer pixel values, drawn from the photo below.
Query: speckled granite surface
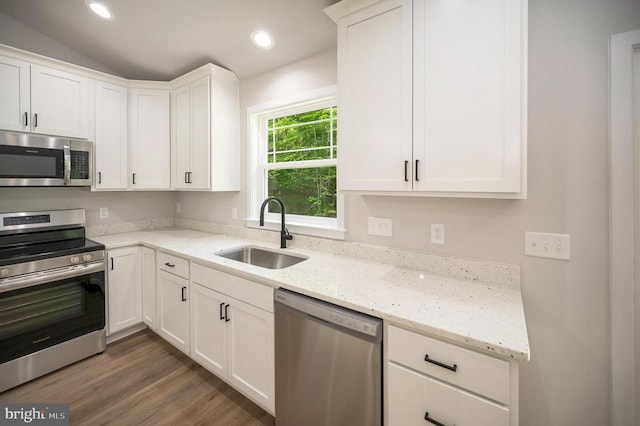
(475, 304)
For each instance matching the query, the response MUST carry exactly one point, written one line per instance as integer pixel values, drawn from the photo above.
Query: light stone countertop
(482, 316)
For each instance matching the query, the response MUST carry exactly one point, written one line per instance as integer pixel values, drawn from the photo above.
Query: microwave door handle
(67, 165)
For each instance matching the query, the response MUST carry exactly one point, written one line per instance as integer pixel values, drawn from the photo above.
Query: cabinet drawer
(173, 264)
(255, 294)
(411, 395)
(482, 374)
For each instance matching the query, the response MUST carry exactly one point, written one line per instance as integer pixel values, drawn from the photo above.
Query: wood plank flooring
(141, 380)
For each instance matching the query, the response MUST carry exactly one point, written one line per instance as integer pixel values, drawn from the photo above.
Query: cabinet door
(111, 136)
(200, 135)
(180, 137)
(15, 99)
(149, 299)
(125, 293)
(59, 103)
(251, 352)
(149, 138)
(374, 81)
(470, 94)
(173, 309)
(411, 396)
(209, 329)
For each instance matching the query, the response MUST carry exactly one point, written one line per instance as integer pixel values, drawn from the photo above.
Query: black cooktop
(30, 246)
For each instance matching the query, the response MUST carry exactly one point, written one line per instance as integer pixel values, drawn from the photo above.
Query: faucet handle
(287, 235)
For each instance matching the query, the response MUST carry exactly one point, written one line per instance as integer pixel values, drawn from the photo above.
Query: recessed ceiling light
(262, 39)
(100, 9)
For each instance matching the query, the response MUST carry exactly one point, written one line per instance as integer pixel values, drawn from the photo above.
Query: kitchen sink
(262, 257)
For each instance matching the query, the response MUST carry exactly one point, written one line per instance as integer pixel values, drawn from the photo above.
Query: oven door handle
(38, 278)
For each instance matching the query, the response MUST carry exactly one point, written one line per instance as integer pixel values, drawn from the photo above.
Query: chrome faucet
(284, 233)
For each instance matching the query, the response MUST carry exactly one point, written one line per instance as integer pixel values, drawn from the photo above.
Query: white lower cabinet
(124, 289)
(429, 381)
(232, 332)
(173, 301)
(148, 278)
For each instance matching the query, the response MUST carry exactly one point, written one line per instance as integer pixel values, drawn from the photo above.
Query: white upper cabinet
(374, 84)
(149, 139)
(432, 96)
(469, 94)
(59, 103)
(204, 131)
(43, 100)
(111, 142)
(15, 102)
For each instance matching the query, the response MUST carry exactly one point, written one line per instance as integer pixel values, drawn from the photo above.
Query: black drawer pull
(432, 421)
(26, 119)
(439, 364)
(417, 161)
(226, 313)
(170, 265)
(184, 296)
(221, 314)
(406, 165)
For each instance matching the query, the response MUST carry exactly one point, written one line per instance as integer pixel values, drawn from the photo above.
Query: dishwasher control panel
(330, 313)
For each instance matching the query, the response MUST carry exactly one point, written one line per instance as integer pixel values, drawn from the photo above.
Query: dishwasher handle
(332, 314)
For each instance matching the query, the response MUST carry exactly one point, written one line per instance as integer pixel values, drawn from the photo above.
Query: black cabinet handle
(99, 177)
(406, 176)
(417, 161)
(226, 313)
(184, 296)
(170, 265)
(112, 263)
(221, 314)
(35, 120)
(26, 119)
(134, 178)
(186, 177)
(439, 364)
(432, 421)
(190, 177)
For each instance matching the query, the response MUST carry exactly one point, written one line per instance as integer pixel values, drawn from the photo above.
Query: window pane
(307, 192)
(300, 137)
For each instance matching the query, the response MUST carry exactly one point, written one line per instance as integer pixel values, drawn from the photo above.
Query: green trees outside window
(301, 162)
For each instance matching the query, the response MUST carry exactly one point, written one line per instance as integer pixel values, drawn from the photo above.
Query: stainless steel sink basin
(262, 257)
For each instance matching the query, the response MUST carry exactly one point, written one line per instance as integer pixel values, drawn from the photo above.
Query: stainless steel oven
(52, 294)
(36, 160)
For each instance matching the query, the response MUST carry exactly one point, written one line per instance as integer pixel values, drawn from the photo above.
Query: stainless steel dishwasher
(328, 364)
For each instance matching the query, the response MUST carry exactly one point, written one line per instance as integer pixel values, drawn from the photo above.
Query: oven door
(41, 310)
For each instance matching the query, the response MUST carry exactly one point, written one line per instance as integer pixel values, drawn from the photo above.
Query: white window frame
(257, 150)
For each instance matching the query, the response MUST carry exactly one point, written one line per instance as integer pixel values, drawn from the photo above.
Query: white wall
(16, 34)
(566, 303)
(123, 206)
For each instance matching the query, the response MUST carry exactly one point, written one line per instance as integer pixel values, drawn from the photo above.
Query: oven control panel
(43, 266)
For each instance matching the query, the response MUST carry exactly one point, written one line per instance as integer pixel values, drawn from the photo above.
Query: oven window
(26, 312)
(44, 315)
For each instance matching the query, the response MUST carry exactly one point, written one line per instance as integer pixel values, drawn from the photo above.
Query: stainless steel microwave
(38, 160)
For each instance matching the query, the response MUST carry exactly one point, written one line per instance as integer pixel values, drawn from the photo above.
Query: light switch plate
(380, 226)
(104, 212)
(552, 246)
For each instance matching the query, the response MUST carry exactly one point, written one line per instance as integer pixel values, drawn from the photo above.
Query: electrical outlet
(553, 246)
(104, 212)
(437, 233)
(380, 226)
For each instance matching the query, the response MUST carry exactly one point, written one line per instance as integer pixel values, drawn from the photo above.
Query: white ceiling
(162, 39)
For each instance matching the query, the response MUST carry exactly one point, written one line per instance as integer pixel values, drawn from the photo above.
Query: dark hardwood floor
(141, 380)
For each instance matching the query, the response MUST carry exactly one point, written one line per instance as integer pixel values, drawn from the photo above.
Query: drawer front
(412, 395)
(482, 374)
(173, 264)
(258, 295)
